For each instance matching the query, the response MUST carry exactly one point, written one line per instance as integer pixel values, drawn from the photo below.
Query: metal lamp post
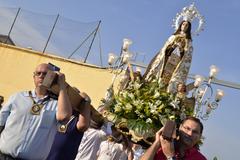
(205, 103)
(117, 63)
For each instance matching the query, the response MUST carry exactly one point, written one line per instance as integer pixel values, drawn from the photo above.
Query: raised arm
(84, 116)
(151, 151)
(166, 146)
(64, 108)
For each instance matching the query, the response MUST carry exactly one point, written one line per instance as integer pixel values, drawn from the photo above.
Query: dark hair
(188, 32)
(195, 120)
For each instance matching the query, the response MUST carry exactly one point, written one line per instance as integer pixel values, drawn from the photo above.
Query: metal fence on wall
(52, 34)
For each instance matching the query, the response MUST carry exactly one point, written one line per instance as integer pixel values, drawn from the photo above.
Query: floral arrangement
(143, 108)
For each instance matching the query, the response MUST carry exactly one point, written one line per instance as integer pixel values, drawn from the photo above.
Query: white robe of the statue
(179, 75)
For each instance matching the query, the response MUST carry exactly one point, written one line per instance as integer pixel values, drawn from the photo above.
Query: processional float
(142, 104)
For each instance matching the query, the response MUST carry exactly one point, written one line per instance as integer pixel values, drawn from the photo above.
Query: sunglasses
(38, 74)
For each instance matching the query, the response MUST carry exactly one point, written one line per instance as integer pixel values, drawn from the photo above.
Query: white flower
(156, 94)
(131, 96)
(137, 112)
(157, 103)
(154, 112)
(151, 105)
(175, 105)
(124, 94)
(137, 85)
(118, 108)
(154, 107)
(149, 120)
(138, 102)
(128, 107)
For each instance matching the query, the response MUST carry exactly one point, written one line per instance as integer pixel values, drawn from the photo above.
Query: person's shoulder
(199, 156)
(20, 93)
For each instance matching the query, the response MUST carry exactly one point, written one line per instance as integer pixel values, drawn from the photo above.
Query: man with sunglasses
(186, 147)
(28, 121)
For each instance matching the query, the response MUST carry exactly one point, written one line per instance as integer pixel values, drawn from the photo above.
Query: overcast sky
(148, 24)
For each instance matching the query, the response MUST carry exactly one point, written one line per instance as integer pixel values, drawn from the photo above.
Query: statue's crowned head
(189, 14)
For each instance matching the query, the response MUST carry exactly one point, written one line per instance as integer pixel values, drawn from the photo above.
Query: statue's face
(181, 88)
(184, 26)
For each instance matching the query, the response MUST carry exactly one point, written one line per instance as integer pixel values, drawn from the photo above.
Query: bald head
(39, 73)
(43, 65)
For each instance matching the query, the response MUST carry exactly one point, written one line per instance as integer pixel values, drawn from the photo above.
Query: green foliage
(145, 107)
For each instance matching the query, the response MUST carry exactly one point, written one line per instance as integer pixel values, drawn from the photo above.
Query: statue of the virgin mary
(171, 64)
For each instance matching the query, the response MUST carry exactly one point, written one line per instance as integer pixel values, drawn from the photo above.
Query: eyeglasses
(188, 129)
(38, 74)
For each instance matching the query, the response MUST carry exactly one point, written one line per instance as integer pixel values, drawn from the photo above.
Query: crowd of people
(36, 126)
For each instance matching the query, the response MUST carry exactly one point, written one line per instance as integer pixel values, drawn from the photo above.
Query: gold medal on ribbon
(36, 109)
(62, 128)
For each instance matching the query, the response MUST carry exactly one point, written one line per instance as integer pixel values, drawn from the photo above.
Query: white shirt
(111, 151)
(138, 153)
(90, 143)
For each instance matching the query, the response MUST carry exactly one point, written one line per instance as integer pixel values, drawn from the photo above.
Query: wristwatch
(171, 158)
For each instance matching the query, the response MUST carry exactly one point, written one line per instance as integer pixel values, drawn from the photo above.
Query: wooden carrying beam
(50, 81)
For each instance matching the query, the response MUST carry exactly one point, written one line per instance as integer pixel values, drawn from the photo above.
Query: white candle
(126, 44)
(111, 58)
(198, 80)
(219, 95)
(126, 58)
(213, 71)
